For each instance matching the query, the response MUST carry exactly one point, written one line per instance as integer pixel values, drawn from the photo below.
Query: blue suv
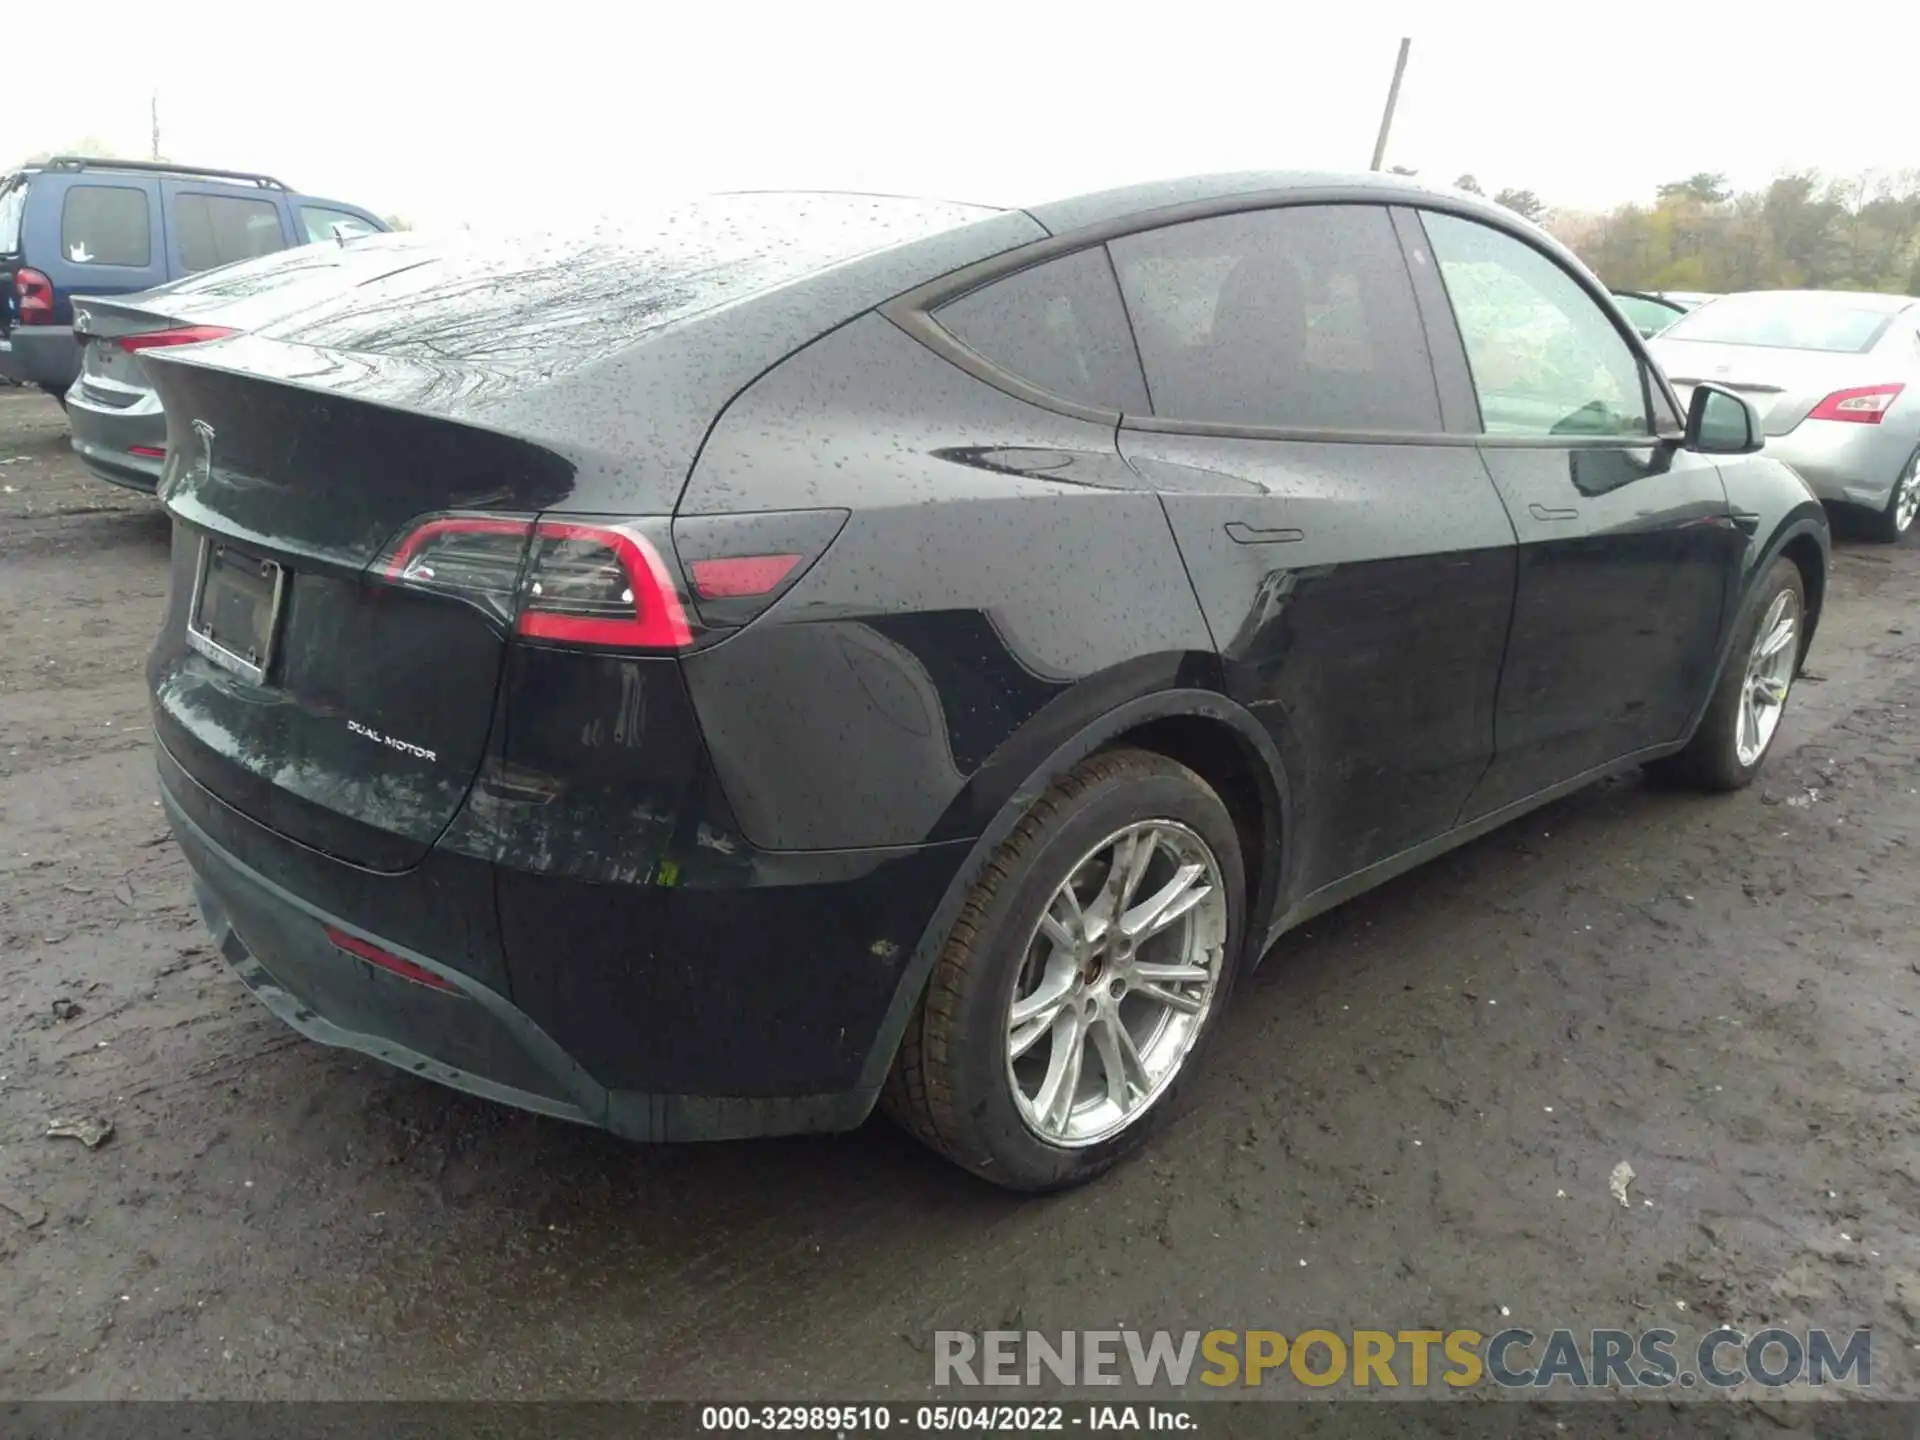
(78, 225)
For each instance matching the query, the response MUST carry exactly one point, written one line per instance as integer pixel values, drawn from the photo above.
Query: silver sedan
(1835, 376)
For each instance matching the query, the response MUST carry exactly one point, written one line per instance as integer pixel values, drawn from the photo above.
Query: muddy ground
(1410, 1121)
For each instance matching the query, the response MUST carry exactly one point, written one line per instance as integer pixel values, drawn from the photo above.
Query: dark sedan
(828, 650)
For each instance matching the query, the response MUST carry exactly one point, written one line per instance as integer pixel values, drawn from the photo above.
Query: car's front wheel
(1744, 715)
(1089, 964)
(1903, 505)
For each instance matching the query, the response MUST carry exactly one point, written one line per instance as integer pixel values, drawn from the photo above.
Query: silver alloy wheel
(1906, 496)
(1763, 697)
(1122, 968)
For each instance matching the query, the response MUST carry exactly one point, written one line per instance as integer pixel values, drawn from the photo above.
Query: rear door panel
(1359, 595)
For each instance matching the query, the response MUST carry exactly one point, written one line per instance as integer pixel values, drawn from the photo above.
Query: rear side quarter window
(1059, 326)
(321, 222)
(106, 225)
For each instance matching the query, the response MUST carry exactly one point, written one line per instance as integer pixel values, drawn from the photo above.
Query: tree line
(1802, 231)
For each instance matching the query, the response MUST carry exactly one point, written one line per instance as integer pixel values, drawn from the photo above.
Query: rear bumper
(740, 1012)
(45, 355)
(103, 437)
(1844, 462)
(9, 362)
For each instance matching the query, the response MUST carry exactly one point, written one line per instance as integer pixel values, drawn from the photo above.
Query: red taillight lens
(34, 292)
(147, 452)
(366, 950)
(738, 576)
(572, 583)
(185, 335)
(601, 585)
(1863, 406)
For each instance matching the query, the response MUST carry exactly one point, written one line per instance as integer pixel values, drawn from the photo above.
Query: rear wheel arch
(1234, 755)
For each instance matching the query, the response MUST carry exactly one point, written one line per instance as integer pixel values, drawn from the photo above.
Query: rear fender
(1011, 785)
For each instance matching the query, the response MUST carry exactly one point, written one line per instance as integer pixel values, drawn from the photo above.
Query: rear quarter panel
(1004, 581)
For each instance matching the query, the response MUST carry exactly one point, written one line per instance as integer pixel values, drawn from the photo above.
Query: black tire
(1711, 760)
(949, 1086)
(1884, 525)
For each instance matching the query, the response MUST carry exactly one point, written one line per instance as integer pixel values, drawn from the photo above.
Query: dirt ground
(1410, 1121)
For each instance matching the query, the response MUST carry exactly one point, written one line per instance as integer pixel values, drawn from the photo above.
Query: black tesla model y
(824, 651)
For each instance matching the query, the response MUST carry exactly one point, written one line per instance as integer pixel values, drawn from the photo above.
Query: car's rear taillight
(569, 582)
(1864, 405)
(615, 584)
(34, 294)
(183, 335)
(601, 585)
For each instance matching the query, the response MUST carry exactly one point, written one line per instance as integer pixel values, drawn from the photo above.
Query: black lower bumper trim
(468, 1037)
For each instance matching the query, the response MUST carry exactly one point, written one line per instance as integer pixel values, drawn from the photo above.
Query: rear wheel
(1087, 969)
(1737, 731)
(1903, 505)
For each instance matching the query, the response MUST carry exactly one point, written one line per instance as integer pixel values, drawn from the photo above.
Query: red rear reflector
(35, 294)
(393, 964)
(1862, 406)
(149, 452)
(185, 335)
(740, 575)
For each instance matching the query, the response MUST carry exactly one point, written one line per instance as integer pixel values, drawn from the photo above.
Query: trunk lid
(346, 713)
(1783, 385)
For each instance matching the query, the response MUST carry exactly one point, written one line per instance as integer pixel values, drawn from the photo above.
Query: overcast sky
(557, 110)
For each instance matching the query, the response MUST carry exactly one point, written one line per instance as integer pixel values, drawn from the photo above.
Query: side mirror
(1720, 422)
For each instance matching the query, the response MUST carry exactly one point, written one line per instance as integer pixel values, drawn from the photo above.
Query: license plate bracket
(234, 617)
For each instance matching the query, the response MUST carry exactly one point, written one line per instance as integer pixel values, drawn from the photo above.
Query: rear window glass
(220, 229)
(560, 301)
(106, 225)
(1059, 326)
(13, 204)
(1786, 321)
(321, 223)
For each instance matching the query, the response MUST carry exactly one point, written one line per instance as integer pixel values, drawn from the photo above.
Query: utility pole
(1393, 98)
(153, 110)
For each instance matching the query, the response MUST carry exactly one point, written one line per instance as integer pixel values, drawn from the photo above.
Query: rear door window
(106, 225)
(1301, 317)
(1058, 325)
(320, 223)
(220, 229)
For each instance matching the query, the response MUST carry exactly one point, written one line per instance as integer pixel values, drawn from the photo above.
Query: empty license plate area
(236, 609)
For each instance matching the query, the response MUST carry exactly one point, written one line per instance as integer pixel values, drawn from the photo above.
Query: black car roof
(1130, 202)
